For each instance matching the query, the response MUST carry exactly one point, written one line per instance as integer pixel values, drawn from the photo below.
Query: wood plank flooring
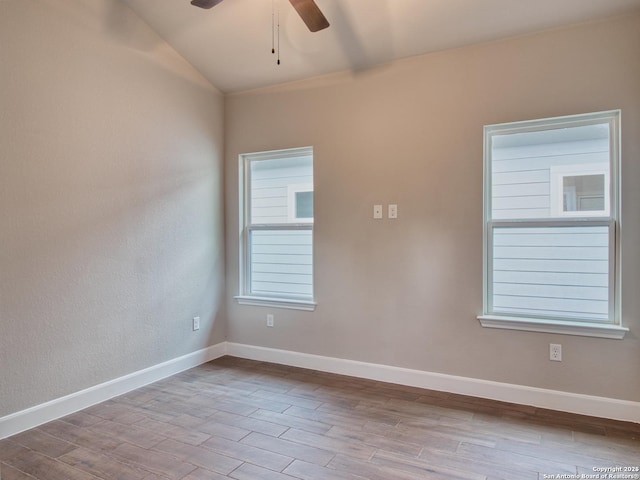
(245, 420)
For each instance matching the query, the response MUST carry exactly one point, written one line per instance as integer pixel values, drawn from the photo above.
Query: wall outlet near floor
(555, 352)
(196, 323)
(269, 320)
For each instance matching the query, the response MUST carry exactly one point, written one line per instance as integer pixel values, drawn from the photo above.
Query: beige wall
(111, 216)
(110, 200)
(407, 292)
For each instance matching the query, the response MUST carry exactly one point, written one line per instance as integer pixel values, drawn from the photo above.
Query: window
(300, 203)
(580, 190)
(277, 229)
(551, 255)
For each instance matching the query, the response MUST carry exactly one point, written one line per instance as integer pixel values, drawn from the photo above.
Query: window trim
(490, 319)
(291, 204)
(556, 188)
(244, 297)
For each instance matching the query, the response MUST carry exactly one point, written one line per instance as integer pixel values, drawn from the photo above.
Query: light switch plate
(377, 211)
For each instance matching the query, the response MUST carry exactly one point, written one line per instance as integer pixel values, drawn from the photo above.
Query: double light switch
(392, 211)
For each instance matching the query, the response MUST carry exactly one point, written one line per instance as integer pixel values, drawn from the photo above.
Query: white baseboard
(46, 412)
(602, 407)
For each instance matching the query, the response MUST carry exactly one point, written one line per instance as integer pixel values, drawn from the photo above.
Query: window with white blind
(551, 252)
(277, 229)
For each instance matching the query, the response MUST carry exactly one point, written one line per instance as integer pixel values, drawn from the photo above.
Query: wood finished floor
(245, 420)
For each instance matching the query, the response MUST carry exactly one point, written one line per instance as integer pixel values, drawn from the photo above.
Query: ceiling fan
(307, 9)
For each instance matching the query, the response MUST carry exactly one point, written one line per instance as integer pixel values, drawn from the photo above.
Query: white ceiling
(230, 44)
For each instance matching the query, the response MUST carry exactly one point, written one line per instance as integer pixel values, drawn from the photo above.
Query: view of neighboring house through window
(551, 215)
(277, 220)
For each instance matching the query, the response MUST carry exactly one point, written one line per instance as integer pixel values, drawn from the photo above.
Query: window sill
(563, 327)
(306, 305)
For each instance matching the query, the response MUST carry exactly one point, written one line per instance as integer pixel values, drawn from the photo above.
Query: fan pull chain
(278, 34)
(273, 49)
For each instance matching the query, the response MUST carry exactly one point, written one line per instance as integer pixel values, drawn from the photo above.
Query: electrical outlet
(269, 320)
(196, 323)
(393, 211)
(555, 352)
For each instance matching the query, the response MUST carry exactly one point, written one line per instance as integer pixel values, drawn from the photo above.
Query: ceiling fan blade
(310, 14)
(205, 3)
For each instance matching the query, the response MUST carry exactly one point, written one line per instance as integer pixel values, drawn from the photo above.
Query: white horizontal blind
(278, 249)
(544, 259)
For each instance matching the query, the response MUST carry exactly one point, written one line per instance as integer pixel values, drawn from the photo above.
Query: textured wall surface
(111, 202)
(111, 219)
(406, 292)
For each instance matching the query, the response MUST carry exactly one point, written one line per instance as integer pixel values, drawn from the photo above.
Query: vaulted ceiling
(231, 43)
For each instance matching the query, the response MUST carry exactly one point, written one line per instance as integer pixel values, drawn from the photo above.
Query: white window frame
(613, 327)
(245, 296)
(556, 179)
(291, 202)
